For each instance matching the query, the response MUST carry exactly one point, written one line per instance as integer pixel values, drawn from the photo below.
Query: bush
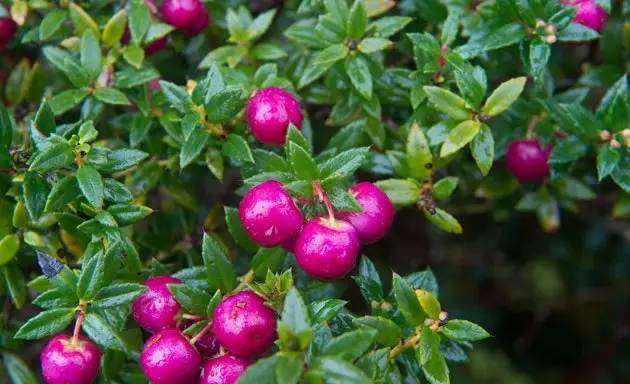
(190, 184)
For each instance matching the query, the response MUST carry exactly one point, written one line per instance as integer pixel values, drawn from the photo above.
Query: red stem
(7, 171)
(201, 333)
(77, 328)
(324, 199)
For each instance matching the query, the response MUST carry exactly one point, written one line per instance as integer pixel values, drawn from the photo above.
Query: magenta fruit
(269, 113)
(244, 325)
(527, 160)
(378, 212)
(327, 249)
(269, 215)
(200, 24)
(8, 27)
(65, 363)
(169, 358)
(157, 309)
(180, 13)
(224, 369)
(589, 14)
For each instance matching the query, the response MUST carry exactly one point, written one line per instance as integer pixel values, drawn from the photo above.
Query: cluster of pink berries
(191, 16)
(325, 247)
(242, 328)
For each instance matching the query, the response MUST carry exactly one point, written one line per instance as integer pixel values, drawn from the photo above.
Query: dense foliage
(187, 168)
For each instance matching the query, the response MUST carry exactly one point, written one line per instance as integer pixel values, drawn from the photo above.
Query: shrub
(208, 172)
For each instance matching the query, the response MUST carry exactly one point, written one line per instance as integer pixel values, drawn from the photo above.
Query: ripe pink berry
(157, 309)
(199, 24)
(269, 113)
(169, 358)
(224, 369)
(180, 13)
(527, 160)
(589, 14)
(269, 215)
(378, 212)
(289, 245)
(244, 325)
(8, 27)
(207, 345)
(327, 250)
(64, 363)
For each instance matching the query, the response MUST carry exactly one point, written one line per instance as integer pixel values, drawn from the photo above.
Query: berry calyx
(8, 27)
(169, 358)
(157, 309)
(378, 212)
(589, 14)
(327, 249)
(269, 113)
(199, 24)
(527, 160)
(66, 363)
(269, 215)
(224, 369)
(243, 325)
(180, 13)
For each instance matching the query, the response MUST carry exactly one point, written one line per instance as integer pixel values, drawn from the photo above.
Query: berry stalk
(77, 327)
(199, 335)
(321, 194)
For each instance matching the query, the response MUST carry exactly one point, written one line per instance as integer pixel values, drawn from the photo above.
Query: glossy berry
(8, 27)
(327, 250)
(244, 325)
(64, 363)
(199, 24)
(589, 14)
(269, 215)
(378, 212)
(180, 13)
(224, 369)
(169, 358)
(269, 113)
(527, 160)
(156, 309)
(207, 345)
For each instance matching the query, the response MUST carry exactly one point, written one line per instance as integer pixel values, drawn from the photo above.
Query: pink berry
(589, 14)
(64, 363)
(378, 212)
(327, 250)
(244, 325)
(155, 85)
(269, 215)
(224, 369)
(180, 13)
(527, 160)
(207, 345)
(8, 27)
(169, 358)
(157, 309)
(269, 113)
(289, 245)
(200, 24)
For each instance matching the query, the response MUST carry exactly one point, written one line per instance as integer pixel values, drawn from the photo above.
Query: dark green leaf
(139, 21)
(121, 159)
(237, 149)
(63, 192)
(407, 301)
(387, 332)
(51, 23)
(90, 54)
(302, 163)
(219, 270)
(67, 100)
(53, 157)
(17, 370)
(16, 284)
(237, 231)
(46, 323)
(430, 358)
(35, 190)
(400, 192)
(118, 294)
(193, 147)
(350, 345)
(111, 95)
(342, 200)
(507, 35)
(607, 160)
(325, 310)
(390, 25)
(577, 32)
(91, 185)
(357, 20)
(341, 166)
(338, 371)
(539, 54)
(191, 299)
(358, 70)
(126, 214)
(268, 259)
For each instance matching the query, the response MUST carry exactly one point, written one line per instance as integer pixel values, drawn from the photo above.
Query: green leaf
(461, 135)
(338, 10)
(374, 44)
(51, 23)
(504, 96)
(607, 160)
(350, 345)
(16, 284)
(295, 318)
(387, 332)
(121, 159)
(268, 51)
(573, 188)
(344, 201)
(294, 135)
(115, 27)
(223, 106)
(358, 70)
(448, 102)
(357, 20)
(192, 299)
(568, 150)
(407, 301)
(87, 132)
(111, 95)
(90, 54)
(260, 24)
(462, 330)
(268, 259)
(419, 156)
(17, 370)
(302, 163)
(325, 310)
(63, 192)
(53, 157)
(482, 148)
(101, 332)
(237, 231)
(91, 185)
(400, 192)
(176, 95)
(132, 77)
(126, 214)
(193, 147)
(116, 192)
(117, 295)
(263, 371)
(341, 166)
(390, 25)
(577, 32)
(507, 35)
(46, 323)
(139, 21)
(539, 54)
(268, 161)
(338, 371)
(429, 303)
(219, 270)
(443, 188)
(444, 220)
(430, 359)
(67, 100)
(450, 27)
(237, 149)
(613, 108)
(9, 246)
(82, 21)
(35, 190)
(330, 55)
(98, 272)
(289, 370)
(134, 55)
